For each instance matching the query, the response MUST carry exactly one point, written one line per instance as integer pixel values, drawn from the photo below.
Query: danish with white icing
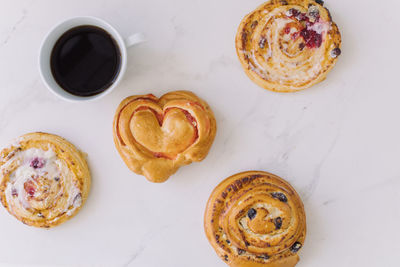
(44, 179)
(288, 45)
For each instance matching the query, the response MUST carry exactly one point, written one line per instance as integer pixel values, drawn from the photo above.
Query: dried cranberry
(37, 163)
(287, 30)
(29, 188)
(312, 38)
(301, 17)
(305, 34)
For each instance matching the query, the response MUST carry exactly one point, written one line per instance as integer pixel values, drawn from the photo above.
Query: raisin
(296, 247)
(336, 52)
(262, 43)
(280, 196)
(251, 213)
(264, 257)
(278, 223)
(241, 251)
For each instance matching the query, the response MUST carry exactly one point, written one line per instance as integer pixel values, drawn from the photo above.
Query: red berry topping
(37, 163)
(293, 12)
(302, 17)
(295, 35)
(29, 188)
(312, 38)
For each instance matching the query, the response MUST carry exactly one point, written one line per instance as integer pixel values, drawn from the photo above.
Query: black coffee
(85, 61)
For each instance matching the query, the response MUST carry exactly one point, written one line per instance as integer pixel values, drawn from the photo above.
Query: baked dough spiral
(255, 219)
(288, 45)
(44, 179)
(155, 137)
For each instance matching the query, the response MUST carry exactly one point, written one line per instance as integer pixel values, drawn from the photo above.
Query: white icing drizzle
(54, 193)
(278, 66)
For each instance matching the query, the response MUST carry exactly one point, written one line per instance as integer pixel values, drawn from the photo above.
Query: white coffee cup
(51, 39)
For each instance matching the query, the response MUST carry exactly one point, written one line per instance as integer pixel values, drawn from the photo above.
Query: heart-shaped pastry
(157, 136)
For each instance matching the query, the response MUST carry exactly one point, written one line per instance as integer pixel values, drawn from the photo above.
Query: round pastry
(44, 179)
(288, 45)
(256, 219)
(155, 137)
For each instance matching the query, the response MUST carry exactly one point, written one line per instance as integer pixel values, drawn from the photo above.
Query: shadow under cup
(82, 59)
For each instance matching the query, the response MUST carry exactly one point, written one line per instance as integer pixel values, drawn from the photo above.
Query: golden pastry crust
(288, 45)
(255, 219)
(44, 179)
(155, 137)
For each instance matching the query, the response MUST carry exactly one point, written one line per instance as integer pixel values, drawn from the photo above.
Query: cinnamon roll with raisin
(256, 219)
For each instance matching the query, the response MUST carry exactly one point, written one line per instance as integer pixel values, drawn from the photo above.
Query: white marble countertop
(337, 142)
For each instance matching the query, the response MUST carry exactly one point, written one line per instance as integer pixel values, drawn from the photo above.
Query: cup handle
(135, 39)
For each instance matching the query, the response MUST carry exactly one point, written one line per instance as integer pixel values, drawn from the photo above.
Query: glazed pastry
(288, 45)
(44, 179)
(157, 136)
(256, 219)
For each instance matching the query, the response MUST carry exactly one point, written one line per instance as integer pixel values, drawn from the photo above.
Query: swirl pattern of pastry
(44, 179)
(256, 219)
(157, 136)
(288, 45)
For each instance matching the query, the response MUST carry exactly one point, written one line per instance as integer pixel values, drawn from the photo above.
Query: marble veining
(14, 27)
